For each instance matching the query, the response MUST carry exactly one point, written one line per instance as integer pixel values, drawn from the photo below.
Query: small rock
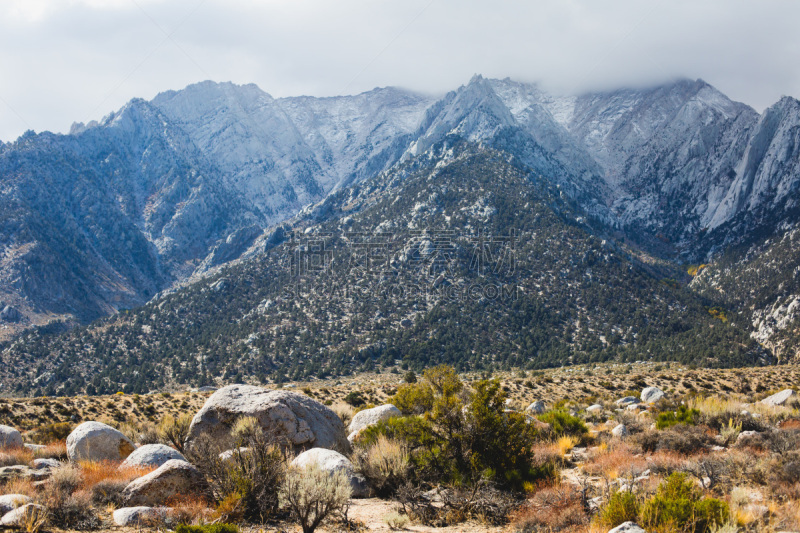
(34, 447)
(620, 431)
(227, 455)
(779, 398)
(536, 408)
(95, 441)
(331, 461)
(139, 516)
(633, 407)
(652, 394)
(9, 502)
(594, 408)
(21, 515)
(627, 527)
(748, 438)
(627, 400)
(10, 437)
(173, 478)
(43, 464)
(152, 455)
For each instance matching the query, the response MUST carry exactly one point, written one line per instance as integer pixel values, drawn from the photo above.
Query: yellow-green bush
(679, 504)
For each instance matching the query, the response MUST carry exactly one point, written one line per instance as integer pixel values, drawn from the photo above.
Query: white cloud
(70, 60)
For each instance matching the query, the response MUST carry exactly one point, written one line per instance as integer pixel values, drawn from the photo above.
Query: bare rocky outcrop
(95, 441)
(173, 478)
(296, 418)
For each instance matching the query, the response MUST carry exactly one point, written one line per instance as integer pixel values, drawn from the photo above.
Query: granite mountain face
(170, 190)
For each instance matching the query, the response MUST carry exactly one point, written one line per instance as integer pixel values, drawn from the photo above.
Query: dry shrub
(617, 461)
(385, 465)
(344, 412)
(187, 510)
(786, 517)
(34, 520)
(312, 494)
(483, 502)
(253, 471)
(683, 439)
(15, 456)
(58, 431)
(174, 431)
(68, 508)
(56, 449)
(551, 509)
(665, 462)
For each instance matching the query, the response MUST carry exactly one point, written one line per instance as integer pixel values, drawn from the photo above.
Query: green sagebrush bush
(683, 415)
(564, 424)
(465, 437)
(679, 504)
(622, 506)
(207, 528)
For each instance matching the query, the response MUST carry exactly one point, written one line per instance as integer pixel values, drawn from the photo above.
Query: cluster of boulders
(307, 427)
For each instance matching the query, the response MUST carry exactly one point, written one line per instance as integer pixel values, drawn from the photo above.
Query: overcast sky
(76, 60)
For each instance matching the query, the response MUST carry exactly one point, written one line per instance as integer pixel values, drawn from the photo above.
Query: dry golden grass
(565, 444)
(15, 456)
(93, 472)
(614, 462)
(18, 486)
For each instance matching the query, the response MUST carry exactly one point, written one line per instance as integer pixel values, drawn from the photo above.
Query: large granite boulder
(301, 421)
(10, 437)
(95, 441)
(779, 398)
(652, 394)
(9, 502)
(153, 455)
(173, 478)
(331, 461)
(370, 417)
(30, 512)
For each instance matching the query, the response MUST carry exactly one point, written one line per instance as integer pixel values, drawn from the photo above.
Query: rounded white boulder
(95, 441)
(10, 437)
(331, 461)
(173, 478)
(296, 418)
(652, 394)
(536, 408)
(152, 455)
(370, 417)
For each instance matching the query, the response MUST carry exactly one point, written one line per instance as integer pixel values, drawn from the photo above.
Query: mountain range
(670, 203)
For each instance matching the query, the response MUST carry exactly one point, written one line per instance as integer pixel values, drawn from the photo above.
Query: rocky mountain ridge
(104, 218)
